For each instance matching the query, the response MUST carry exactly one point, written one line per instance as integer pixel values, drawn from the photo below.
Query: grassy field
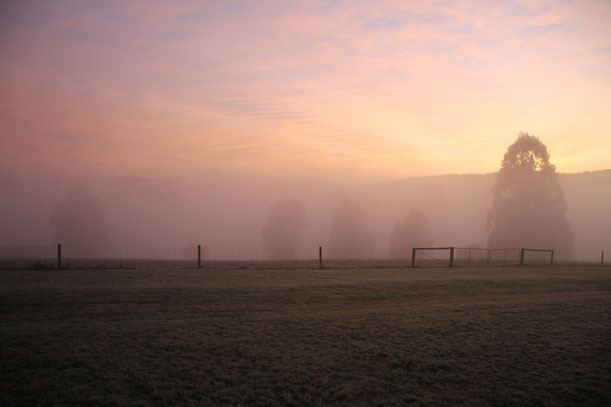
(503, 336)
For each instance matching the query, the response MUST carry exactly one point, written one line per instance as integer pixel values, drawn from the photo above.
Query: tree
(413, 231)
(351, 237)
(286, 220)
(80, 220)
(528, 208)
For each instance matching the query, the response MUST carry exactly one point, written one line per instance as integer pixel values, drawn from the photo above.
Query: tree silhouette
(528, 208)
(283, 232)
(351, 237)
(412, 231)
(80, 220)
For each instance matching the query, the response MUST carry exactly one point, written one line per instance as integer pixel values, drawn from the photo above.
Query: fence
(66, 257)
(504, 257)
(210, 257)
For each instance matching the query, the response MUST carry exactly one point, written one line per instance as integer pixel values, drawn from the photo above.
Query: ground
(503, 336)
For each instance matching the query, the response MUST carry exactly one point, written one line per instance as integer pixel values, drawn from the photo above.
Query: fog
(232, 212)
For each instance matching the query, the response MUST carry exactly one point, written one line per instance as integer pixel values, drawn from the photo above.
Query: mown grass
(535, 336)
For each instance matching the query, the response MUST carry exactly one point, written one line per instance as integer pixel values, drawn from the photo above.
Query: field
(503, 336)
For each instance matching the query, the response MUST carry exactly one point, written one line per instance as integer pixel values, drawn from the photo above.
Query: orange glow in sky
(326, 89)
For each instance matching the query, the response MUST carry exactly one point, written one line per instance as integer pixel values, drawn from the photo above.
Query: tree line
(528, 210)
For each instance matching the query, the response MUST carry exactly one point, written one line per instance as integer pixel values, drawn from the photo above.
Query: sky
(342, 90)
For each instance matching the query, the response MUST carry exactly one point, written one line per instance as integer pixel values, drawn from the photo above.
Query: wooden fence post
(522, 257)
(551, 263)
(602, 258)
(199, 256)
(413, 257)
(320, 265)
(59, 256)
(451, 257)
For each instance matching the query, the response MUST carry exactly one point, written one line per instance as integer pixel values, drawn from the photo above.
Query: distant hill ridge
(457, 206)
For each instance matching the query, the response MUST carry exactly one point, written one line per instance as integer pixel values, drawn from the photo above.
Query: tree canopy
(351, 237)
(283, 232)
(528, 208)
(80, 220)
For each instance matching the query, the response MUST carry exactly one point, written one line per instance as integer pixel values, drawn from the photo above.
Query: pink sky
(324, 89)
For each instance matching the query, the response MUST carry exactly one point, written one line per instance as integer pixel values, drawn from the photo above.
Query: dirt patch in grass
(303, 337)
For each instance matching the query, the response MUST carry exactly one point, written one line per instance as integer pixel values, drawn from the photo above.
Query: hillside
(457, 206)
(231, 212)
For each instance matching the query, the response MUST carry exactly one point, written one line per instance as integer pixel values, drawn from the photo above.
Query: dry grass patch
(303, 337)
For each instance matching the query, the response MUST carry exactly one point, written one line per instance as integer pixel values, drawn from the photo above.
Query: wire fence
(504, 257)
(470, 257)
(28, 257)
(432, 257)
(215, 257)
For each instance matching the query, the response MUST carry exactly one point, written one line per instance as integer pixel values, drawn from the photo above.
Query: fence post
(320, 265)
(469, 258)
(551, 263)
(59, 256)
(602, 258)
(522, 257)
(488, 258)
(199, 256)
(451, 257)
(413, 257)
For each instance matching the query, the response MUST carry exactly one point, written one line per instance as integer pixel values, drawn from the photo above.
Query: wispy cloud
(285, 85)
